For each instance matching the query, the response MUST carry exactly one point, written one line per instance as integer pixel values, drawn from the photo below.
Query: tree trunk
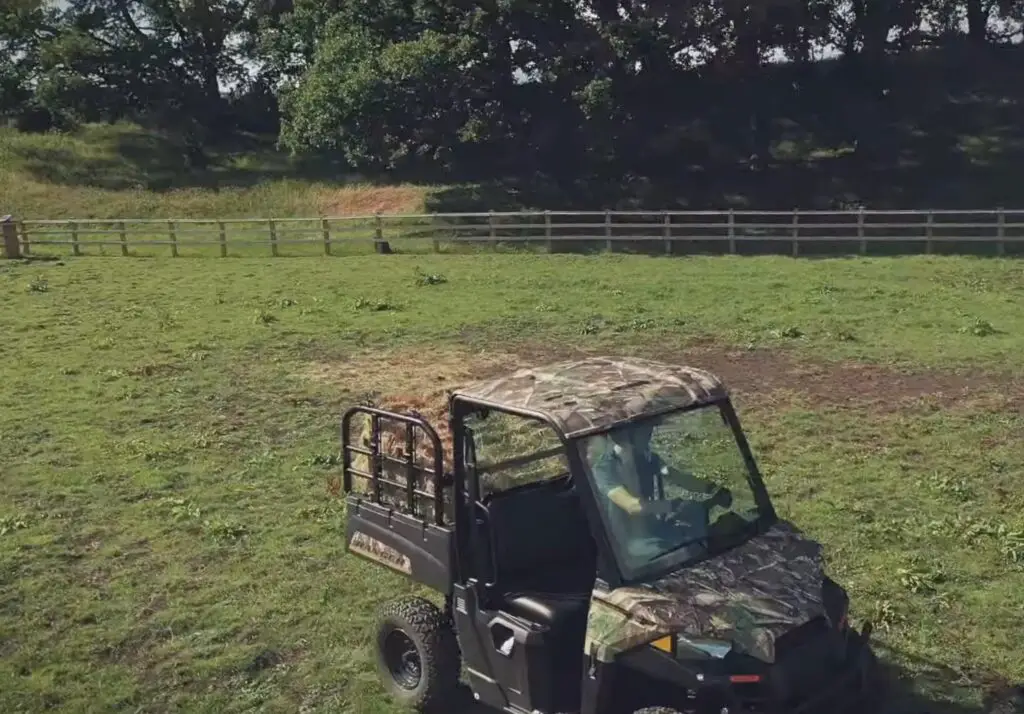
(977, 22)
(873, 26)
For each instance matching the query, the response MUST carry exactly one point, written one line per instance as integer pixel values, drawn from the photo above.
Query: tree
(156, 61)
(381, 104)
(23, 25)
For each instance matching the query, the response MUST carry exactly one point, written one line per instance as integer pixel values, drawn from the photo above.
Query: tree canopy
(569, 88)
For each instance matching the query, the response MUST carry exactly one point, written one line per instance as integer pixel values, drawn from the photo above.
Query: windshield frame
(676, 559)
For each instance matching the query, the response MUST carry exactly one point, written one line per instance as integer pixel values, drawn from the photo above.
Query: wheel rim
(402, 659)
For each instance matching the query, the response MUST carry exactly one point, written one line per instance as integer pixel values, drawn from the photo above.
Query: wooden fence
(793, 231)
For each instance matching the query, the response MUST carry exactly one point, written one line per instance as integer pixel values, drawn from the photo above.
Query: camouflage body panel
(597, 392)
(749, 596)
(380, 552)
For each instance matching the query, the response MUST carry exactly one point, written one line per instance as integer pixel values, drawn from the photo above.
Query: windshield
(673, 490)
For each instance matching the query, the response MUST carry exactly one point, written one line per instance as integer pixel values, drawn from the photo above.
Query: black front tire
(418, 656)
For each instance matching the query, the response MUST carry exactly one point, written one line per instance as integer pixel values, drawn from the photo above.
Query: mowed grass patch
(168, 536)
(936, 311)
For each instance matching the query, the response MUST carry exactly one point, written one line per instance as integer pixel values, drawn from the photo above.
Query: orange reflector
(744, 678)
(664, 644)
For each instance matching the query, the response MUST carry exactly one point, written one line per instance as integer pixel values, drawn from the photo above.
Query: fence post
(608, 231)
(1001, 231)
(272, 228)
(378, 230)
(173, 234)
(666, 230)
(325, 230)
(12, 248)
(547, 231)
(222, 237)
(492, 230)
(796, 232)
(860, 231)
(732, 231)
(929, 231)
(26, 247)
(75, 248)
(123, 235)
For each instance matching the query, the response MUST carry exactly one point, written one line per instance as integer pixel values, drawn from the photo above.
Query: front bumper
(846, 689)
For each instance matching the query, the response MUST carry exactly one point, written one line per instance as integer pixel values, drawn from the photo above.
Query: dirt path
(367, 200)
(426, 374)
(853, 385)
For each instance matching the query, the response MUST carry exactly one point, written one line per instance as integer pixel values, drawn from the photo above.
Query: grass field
(168, 542)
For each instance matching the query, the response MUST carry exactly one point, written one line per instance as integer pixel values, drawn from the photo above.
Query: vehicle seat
(556, 610)
(546, 560)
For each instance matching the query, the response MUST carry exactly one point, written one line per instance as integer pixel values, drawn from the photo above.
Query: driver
(628, 471)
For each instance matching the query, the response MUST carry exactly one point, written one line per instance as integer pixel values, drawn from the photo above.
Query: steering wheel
(721, 496)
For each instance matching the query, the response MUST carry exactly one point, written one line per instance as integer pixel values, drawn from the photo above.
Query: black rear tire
(418, 656)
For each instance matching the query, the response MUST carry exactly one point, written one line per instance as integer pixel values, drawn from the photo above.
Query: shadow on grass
(920, 687)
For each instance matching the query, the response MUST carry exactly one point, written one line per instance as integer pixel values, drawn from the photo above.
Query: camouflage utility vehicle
(604, 543)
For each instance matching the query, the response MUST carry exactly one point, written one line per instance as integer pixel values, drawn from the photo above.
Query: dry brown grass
(414, 373)
(410, 381)
(367, 200)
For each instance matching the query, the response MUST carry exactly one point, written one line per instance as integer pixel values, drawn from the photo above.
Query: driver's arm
(684, 478)
(605, 471)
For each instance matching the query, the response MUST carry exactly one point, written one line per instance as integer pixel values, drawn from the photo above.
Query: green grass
(168, 540)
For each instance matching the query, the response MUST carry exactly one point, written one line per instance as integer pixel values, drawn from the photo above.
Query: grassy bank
(123, 171)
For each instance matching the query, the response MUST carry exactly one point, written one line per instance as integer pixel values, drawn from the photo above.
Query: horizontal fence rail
(553, 230)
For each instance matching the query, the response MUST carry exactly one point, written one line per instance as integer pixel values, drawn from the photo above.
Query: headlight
(702, 646)
(692, 647)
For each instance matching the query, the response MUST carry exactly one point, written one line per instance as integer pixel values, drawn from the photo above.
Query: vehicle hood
(749, 596)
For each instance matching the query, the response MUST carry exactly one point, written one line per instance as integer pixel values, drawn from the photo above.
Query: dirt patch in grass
(423, 376)
(368, 200)
(414, 380)
(416, 373)
(854, 385)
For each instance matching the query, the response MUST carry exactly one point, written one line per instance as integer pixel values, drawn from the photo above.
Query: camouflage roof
(597, 392)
